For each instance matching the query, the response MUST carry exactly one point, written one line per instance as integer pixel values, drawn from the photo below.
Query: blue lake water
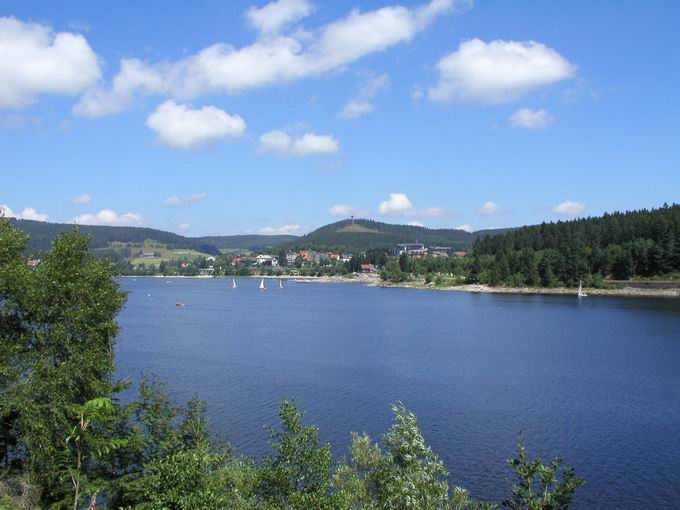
(596, 381)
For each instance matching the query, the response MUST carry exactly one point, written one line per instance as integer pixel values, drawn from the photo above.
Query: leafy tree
(298, 474)
(541, 486)
(58, 326)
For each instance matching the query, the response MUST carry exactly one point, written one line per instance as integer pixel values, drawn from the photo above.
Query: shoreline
(556, 291)
(374, 281)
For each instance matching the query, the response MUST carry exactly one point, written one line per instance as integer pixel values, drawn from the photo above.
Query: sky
(217, 118)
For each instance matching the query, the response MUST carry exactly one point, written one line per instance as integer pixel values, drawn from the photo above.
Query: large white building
(410, 249)
(266, 260)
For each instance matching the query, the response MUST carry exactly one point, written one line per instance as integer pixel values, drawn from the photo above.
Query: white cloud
(416, 224)
(27, 214)
(183, 227)
(109, 217)
(85, 198)
(282, 143)
(270, 59)
(35, 60)
(277, 15)
(531, 119)
(362, 103)
(399, 205)
(466, 227)
(488, 208)
(498, 71)
(285, 229)
(183, 127)
(356, 108)
(346, 210)
(569, 208)
(184, 201)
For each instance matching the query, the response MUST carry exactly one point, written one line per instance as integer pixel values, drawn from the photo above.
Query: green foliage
(540, 486)
(408, 475)
(298, 474)
(619, 246)
(58, 329)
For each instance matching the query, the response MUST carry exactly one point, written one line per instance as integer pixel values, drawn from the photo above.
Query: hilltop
(360, 235)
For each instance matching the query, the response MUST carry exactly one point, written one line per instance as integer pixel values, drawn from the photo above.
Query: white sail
(233, 283)
(280, 283)
(580, 290)
(262, 285)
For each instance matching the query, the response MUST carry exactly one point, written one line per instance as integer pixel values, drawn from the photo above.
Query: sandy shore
(476, 288)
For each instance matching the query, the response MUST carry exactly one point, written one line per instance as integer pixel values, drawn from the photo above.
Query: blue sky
(239, 117)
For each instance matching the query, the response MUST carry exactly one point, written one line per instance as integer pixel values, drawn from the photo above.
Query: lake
(596, 381)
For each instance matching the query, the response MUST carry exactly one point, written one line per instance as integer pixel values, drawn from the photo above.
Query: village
(306, 262)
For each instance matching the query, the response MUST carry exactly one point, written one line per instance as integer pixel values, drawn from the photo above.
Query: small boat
(262, 285)
(180, 304)
(233, 283)
(580, 290)
(280, 283)
(149, 294)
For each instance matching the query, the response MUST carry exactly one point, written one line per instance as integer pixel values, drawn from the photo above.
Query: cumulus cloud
(346, 210)
(35, 60)
(531, 119)
(277, 15)
(272, 58)
(281, 143)
(466, 227)
(27, 214)
(182, 127)
(184, 201)
(569, 208)
(285, 229)
(399, 205)
(362, 103)
(488, 209)
(183, 227)
(498, 71)
(109, 217)
(85, 198)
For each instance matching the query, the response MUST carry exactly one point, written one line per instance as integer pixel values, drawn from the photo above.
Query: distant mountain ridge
(345, 235)
(43, 233)
(361, 234)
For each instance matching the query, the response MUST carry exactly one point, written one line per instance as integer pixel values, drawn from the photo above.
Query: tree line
(68, 439)
(620, 246)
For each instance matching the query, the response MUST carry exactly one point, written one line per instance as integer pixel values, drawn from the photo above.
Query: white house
(266, 260)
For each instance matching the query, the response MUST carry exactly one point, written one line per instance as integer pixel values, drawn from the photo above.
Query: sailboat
(233, 283)
(280, 283)
(580, 290)
(262, 285)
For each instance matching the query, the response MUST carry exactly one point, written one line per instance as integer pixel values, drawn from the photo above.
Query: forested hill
(359, 235)
(619, 245)
(42, 234)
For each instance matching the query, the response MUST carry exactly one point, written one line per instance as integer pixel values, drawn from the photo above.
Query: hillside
(252, 242)
(359, 235)
(42, 233)
(620, 245)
